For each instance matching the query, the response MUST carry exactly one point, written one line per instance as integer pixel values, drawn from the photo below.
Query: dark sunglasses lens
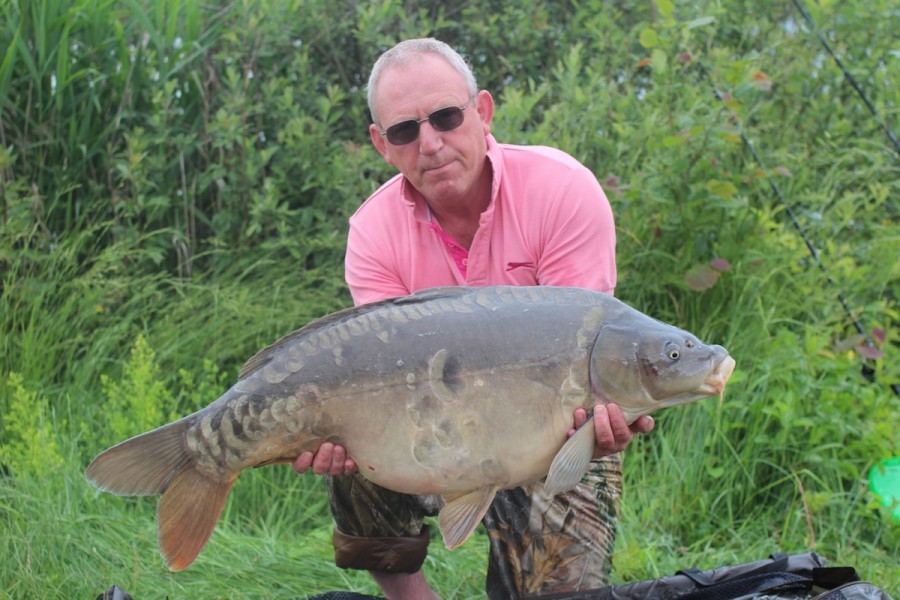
(402, 133)
(446, 119)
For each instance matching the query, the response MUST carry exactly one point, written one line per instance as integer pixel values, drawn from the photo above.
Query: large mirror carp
(453, 391)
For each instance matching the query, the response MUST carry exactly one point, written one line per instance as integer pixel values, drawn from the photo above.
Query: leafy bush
(30, 446)
(138, 402)
(175, 180)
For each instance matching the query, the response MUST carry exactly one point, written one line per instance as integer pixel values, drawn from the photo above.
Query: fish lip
(715, 382)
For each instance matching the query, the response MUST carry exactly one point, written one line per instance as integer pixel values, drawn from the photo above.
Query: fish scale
(453, 391)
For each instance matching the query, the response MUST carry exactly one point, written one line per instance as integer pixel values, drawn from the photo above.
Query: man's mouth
(437, 167)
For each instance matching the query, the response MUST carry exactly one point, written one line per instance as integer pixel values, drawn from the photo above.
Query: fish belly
(502, 429)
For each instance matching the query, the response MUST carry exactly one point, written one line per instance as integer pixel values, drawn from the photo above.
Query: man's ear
(380, 142)
(484, 103)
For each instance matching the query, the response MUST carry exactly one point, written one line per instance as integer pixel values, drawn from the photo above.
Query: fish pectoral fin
(572, 460)
(462, 514)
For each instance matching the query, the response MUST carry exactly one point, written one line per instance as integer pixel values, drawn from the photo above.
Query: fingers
(326, 457)
(340, 464)
(644, 424)
(350, 467)
(612, 431)
(580, 419)
(329, 459)
(613, 434)
(303, 462)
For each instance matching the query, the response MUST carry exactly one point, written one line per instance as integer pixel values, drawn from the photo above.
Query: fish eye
(673, 351)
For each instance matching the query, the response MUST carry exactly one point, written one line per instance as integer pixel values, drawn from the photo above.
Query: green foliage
(138, 401)
(29, 445)
(198, 390)
(181, 173)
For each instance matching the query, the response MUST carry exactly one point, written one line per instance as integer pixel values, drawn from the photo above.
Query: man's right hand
(329, 459)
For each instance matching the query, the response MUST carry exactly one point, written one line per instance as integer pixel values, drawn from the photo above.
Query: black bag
(781, 577)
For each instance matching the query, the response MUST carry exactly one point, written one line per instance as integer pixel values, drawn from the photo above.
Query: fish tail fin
(187, 515)
(143, 465)
(157, 463)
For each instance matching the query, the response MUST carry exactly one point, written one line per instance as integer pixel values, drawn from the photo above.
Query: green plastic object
(884, 479)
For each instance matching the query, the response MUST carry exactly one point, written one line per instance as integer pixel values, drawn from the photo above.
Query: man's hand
(329, 459)
(611, 431)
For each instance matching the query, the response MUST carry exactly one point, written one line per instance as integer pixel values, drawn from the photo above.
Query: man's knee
(403, 554)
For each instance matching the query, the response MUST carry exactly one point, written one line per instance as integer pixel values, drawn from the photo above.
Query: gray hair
(408, 51)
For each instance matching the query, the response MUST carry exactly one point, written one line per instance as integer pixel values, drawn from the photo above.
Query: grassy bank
(175, 184)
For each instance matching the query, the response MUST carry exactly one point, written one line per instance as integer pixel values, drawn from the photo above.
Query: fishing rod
(848, 76)
(867, 371)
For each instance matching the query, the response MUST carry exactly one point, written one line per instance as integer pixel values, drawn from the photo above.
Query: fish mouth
(714, 385)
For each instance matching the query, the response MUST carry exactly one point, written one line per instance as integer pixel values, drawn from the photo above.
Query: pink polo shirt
(548, 223)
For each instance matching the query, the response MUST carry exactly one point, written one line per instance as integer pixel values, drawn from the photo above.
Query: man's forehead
(426, 83)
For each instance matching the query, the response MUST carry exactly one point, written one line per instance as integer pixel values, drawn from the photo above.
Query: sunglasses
(443, 119)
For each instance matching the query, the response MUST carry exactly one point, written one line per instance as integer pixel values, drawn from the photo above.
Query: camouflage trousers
(539, 544)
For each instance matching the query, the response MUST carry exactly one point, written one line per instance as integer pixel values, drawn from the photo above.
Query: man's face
(443, 166)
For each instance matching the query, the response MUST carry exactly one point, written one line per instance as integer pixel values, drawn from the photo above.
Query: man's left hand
(611, 431)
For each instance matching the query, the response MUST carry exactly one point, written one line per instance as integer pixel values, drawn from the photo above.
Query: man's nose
(430, 139)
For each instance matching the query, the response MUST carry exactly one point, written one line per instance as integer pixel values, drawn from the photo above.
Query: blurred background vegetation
(175, 183)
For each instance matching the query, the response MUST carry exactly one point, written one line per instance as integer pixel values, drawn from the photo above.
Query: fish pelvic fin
(572, 460)
(462, 514)
(157, 463)
(187, 515)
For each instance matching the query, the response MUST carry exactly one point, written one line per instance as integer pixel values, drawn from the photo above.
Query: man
(465, 210)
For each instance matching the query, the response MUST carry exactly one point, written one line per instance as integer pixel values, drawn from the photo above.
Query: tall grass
(175, 181)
